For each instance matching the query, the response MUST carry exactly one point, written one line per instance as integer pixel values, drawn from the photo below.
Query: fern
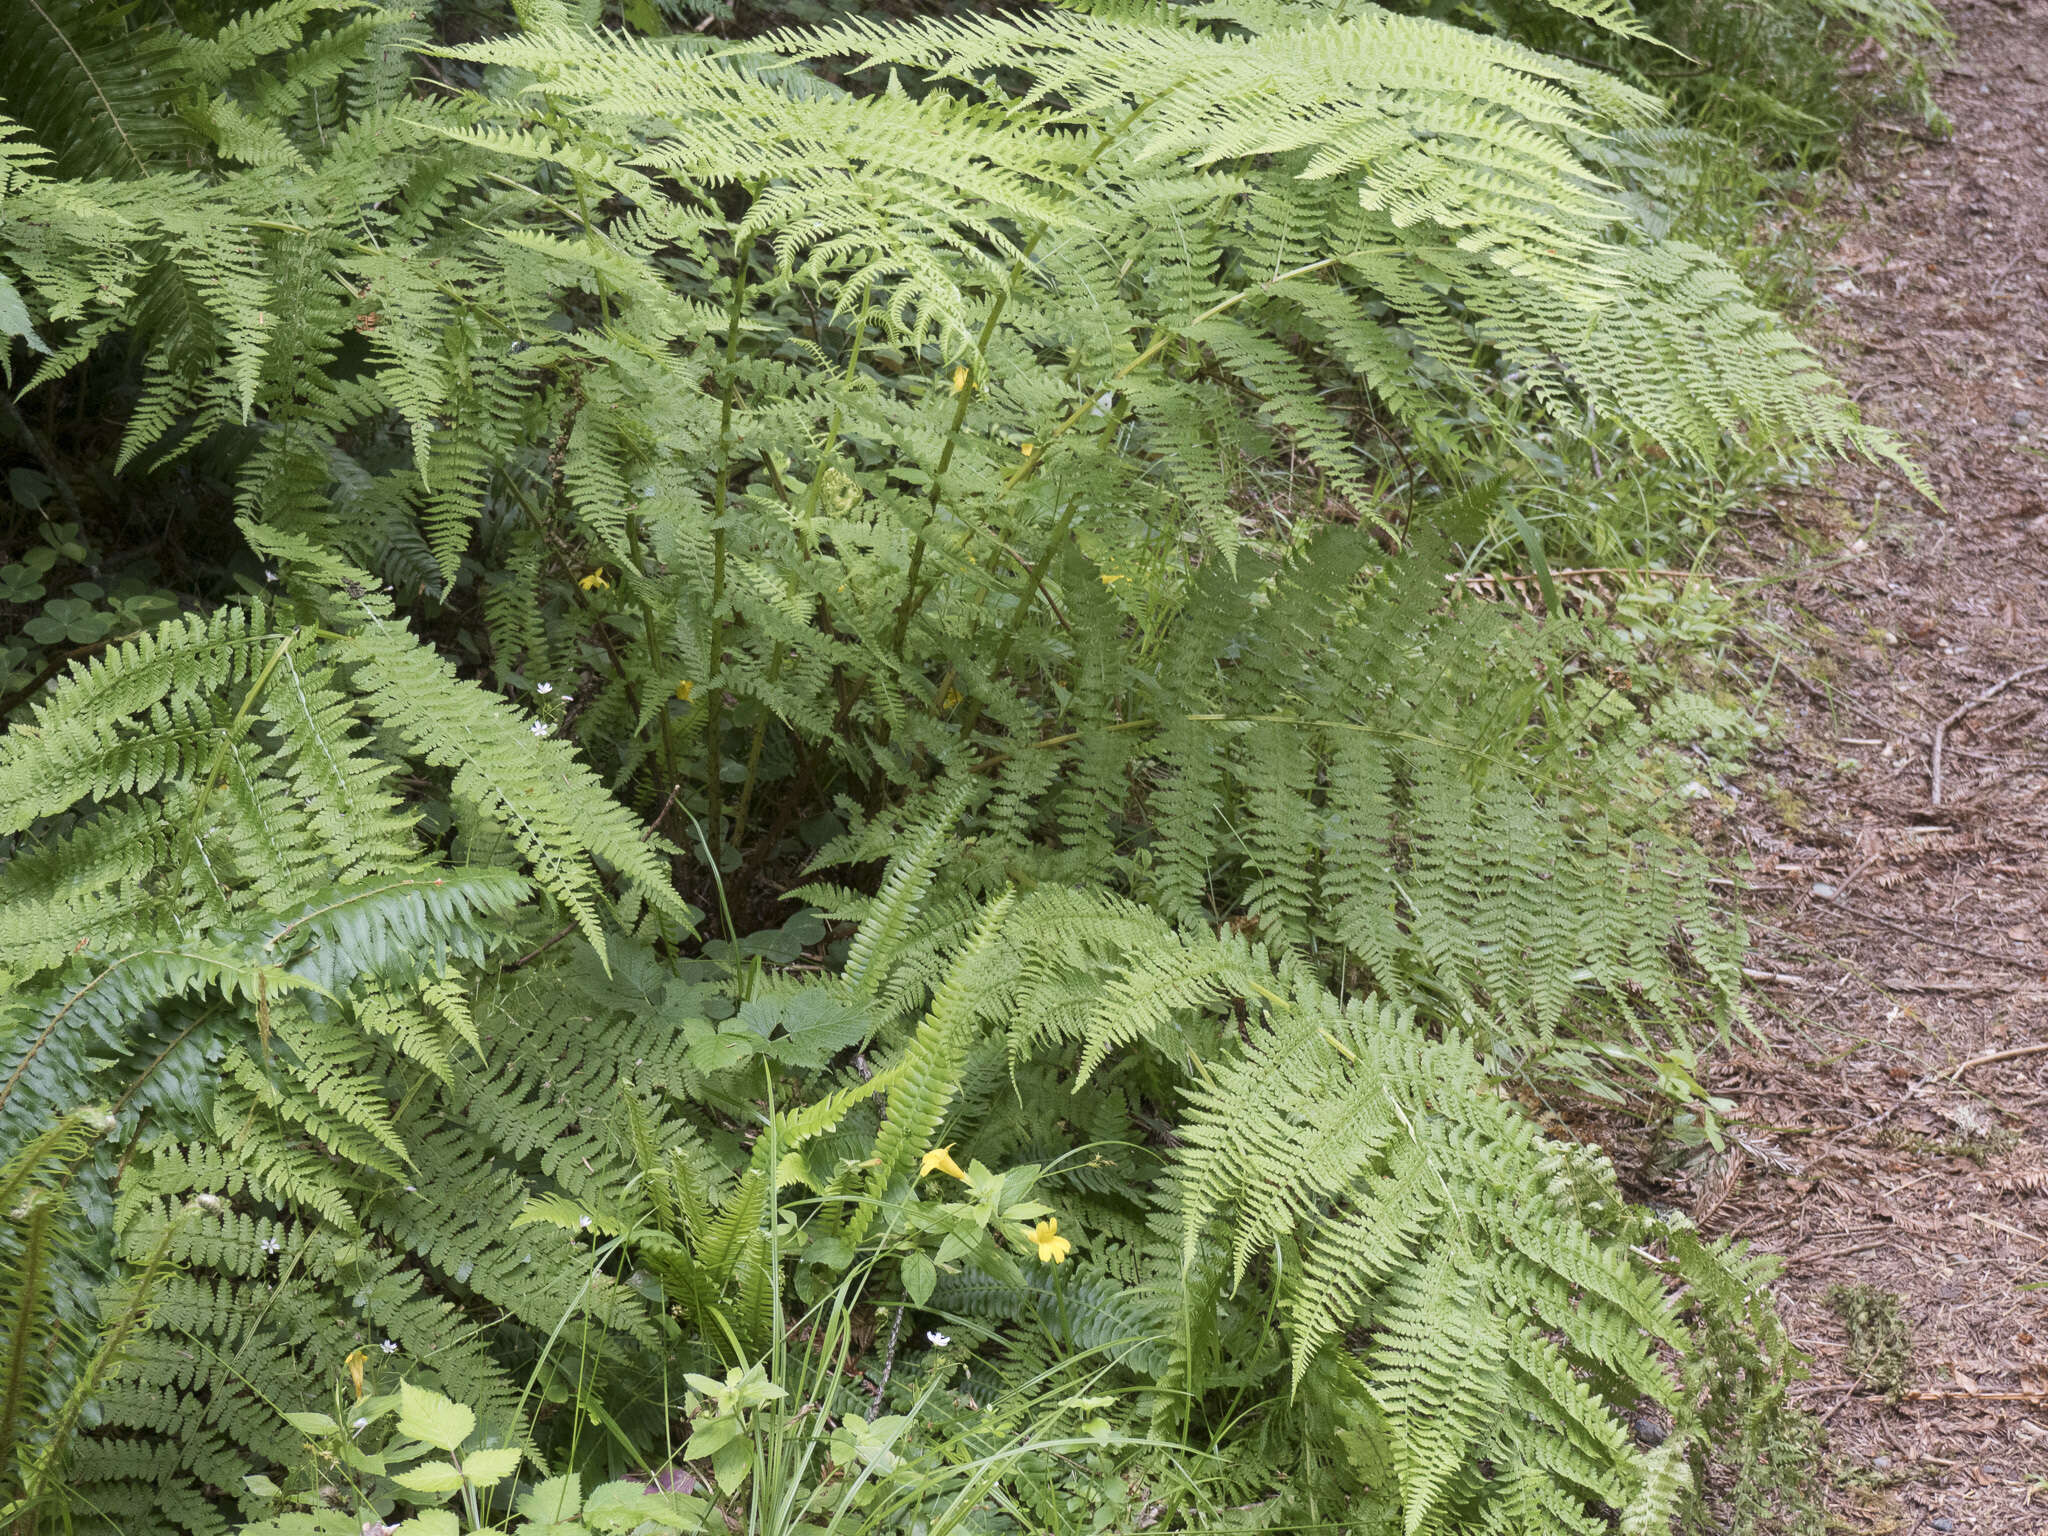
(842, 441)
(1382, 781)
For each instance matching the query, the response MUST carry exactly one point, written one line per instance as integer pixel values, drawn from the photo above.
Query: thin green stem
(721, 492)
(964, 399)
(739, 810)
(1025, 600)
(812, 492)
(210, 780)
(28, 1277)
(639, 584)
(912, 601)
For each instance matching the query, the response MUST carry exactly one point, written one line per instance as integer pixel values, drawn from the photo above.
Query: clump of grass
(1880, 1350)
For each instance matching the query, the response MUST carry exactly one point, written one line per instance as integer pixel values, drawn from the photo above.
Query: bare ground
(1897, 1135)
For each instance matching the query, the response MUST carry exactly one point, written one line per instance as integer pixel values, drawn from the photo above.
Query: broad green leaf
(731, 1463)
(557, 1499)
(491, 1466)
(919, 1276)
(312, 1423)
(441, 1422)
(430, 1477)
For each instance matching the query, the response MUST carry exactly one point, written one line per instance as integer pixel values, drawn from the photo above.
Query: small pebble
(1824, 891)
(1649, 1432)
(2023, 418)
(1880, 1462)
(1942, 1523)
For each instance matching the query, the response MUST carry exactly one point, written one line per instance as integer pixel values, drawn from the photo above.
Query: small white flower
(412, 1189)
(544, 688)
(582, 1223)
(389, 1346)
(568, 698)
(269, 574)
(272, 1245)
(939, 1340)
(358, 1423)
(542, 728)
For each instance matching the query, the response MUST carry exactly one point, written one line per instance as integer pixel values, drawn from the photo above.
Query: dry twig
(1941, 730)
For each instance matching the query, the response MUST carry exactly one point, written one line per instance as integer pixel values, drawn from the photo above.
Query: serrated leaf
(557, 1499)
(430, 1477)
(312, 1423)
(439, 1421)
(491, 1465)
(15, 319)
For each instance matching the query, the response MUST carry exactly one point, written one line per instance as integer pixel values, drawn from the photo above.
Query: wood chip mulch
(1897, 1121)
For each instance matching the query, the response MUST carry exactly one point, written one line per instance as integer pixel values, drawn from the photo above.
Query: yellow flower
(960, 377)
(1030, 449)
(355, 1364)
(594, 580)
(940, 1160)
(952, 697)
(684, 689)
(1052, 1248)
(1110, 579)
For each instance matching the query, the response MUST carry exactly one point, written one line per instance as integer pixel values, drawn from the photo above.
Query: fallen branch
(2010, 1231)
(1924, 938)
(1777, 978)
(1975, 1397)
(1941, 730)
(2012, 1055)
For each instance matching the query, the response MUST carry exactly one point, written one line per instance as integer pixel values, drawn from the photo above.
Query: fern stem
(113, 1341)
(812, 493)
(210, 780)
(1025, 600)
(739, 810)
(28, 1279)
(721, 489)
(668, 739)
(911, 601)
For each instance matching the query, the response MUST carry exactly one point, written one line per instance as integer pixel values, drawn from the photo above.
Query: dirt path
(1890, 1145)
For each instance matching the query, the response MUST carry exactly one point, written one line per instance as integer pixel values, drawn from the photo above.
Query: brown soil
(1897, 1135)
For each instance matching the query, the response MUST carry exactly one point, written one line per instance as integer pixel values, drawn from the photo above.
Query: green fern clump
(1447, 804)
(218, 912)
(678, 460)
(1297, 1233)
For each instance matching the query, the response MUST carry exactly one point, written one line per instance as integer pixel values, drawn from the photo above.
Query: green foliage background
(1014, 489)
